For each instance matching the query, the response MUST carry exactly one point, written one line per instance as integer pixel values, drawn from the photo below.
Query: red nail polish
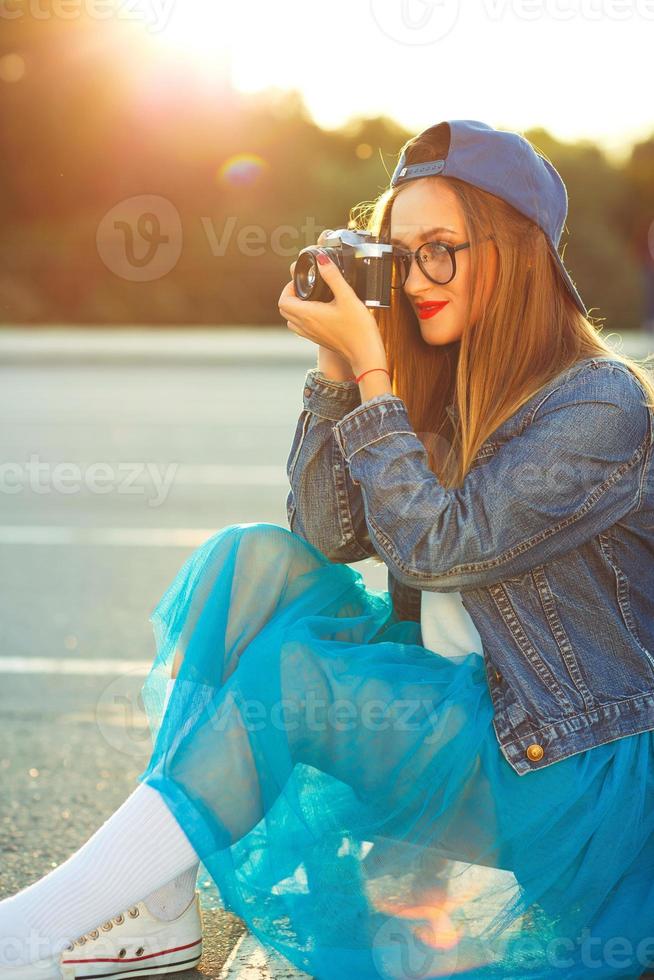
(323, 259)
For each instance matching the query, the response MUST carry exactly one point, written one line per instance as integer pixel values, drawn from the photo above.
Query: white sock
(137, 850)
(169, 901)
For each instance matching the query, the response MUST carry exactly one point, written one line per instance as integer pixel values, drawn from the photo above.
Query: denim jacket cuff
(380, 416)
(327, 398)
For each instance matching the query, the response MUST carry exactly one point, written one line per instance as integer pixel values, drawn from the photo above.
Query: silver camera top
(364, 243)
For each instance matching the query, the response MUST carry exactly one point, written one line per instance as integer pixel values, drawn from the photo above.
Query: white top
(446, 626)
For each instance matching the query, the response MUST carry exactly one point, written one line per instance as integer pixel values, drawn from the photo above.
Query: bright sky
(580, 68)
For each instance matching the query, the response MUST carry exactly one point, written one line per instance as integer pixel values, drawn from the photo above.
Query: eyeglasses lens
(434, 260)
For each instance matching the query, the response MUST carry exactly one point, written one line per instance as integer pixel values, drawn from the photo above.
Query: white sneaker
(136, 944)
(132, 944)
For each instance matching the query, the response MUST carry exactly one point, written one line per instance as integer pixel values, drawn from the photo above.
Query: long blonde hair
(528, 332)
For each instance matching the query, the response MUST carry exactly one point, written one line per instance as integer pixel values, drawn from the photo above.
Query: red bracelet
(368, 372)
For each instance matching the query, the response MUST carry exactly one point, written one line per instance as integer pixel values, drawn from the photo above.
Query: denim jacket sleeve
(323, 505)
(576, 467)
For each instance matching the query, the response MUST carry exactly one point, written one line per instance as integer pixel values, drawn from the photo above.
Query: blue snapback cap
(505, 164)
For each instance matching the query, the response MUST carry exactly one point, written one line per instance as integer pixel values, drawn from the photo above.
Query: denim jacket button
(307, 391)
(535, 752)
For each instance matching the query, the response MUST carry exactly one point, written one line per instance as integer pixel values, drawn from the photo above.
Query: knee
(262, 544)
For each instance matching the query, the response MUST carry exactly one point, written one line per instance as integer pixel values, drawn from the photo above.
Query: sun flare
(199, 29)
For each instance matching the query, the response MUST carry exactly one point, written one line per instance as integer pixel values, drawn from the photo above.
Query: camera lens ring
(305, 274)
(307, 280)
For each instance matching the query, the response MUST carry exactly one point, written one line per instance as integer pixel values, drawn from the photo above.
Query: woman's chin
(438, 334)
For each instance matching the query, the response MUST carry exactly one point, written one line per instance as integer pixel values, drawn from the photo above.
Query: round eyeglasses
(437, 260)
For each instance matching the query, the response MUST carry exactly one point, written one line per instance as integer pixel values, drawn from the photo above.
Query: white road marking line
(181, 474)
(230, 962)
(214, 474)
(151, 537)
(249, 960)
(73, 665)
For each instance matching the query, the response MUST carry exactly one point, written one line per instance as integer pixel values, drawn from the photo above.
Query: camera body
(365, 262)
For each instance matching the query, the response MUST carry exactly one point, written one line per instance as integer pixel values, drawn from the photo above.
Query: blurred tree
(593, 250)
(634, 217)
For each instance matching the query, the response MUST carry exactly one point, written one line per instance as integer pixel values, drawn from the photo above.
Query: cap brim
(565, 275)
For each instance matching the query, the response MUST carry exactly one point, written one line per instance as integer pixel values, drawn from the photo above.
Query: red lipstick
(427, 310)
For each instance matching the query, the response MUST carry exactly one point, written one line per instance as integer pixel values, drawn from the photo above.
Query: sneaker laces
(118, 920)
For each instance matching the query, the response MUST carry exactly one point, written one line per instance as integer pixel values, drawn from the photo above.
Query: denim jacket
(549, 539)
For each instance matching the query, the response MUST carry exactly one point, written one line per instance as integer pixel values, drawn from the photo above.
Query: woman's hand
(345, 325)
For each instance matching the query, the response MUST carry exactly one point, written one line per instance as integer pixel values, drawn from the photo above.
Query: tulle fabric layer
(344, 788)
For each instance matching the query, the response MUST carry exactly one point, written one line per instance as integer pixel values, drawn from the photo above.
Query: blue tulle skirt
(344, 788)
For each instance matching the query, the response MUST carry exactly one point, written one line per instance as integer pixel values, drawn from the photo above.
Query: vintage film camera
(365, 262)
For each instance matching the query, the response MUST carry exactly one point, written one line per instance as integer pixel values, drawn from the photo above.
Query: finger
(288, 292)
(291, 306)
(333, 276)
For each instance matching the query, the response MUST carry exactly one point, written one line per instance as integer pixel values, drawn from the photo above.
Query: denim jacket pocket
(535, 670)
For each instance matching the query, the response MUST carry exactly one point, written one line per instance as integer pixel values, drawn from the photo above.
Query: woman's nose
(416, 279)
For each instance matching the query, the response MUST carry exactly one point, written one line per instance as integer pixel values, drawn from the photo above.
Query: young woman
(455, 776)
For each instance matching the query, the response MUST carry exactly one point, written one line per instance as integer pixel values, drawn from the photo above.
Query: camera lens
(307, 280)
(311, 276)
